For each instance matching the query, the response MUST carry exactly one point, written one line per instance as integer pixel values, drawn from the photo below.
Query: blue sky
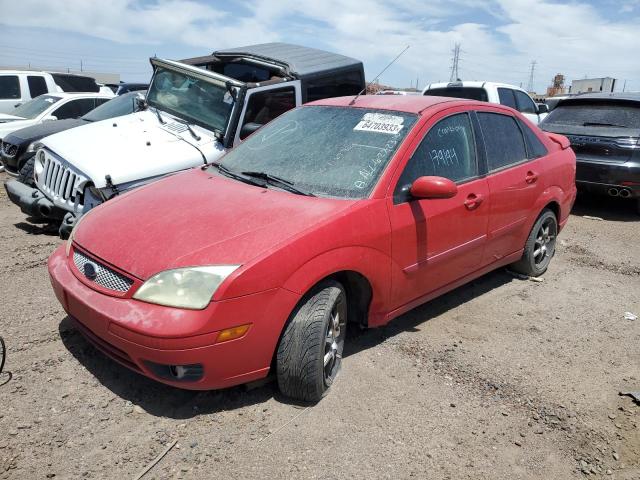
(499, 38)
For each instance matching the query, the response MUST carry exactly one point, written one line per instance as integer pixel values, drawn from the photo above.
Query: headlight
(33, 146)
(40, 160)
(190, 287)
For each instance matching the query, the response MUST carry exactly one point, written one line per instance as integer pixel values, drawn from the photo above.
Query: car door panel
(436, 241)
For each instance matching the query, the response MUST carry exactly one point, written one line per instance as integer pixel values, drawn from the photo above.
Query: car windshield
(116, 107)
(326, 151)
(190, 98)
(35, 107)
(615, 114)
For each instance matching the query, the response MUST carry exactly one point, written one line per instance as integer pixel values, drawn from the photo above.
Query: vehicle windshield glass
(327, 151)
(116, 107)
(470, 93)
(35, 107)
(596, 113)
(190, 98)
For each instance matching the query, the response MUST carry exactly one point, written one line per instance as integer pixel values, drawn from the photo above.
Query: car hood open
(132, 147)
(198, 218)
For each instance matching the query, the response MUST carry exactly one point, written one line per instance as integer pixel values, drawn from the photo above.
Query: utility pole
(454, 63)
(80, 64)
(531, 76)
(624, 86)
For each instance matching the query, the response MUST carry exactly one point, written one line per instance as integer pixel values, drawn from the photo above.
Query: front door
(438, 241)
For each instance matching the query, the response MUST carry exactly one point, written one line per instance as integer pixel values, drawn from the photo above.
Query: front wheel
(26, 172)
(540, 246)
(310, 351)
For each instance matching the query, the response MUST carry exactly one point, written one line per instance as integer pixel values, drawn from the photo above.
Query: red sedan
(336, 212)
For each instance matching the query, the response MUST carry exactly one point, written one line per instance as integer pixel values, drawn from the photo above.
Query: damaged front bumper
(32, 201)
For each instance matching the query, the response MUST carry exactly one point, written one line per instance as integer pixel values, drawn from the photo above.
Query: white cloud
(499, 37)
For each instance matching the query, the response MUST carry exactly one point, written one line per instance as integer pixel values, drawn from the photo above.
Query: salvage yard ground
(501, 379)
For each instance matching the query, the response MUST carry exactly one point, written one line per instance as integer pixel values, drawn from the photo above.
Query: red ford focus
(333, 213)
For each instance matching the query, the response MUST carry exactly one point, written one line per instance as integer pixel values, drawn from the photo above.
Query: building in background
(586, 85)
(557, 86)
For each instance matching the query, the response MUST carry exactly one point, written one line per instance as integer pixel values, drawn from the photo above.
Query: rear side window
(37, 86)
(269, 104)
(525, 104)
(447, 150)
(507, 98)
(9, 87)
(470, 93)
(535, 148)
(75, 83)
(502, 139)
(74, 108)
(338, 85)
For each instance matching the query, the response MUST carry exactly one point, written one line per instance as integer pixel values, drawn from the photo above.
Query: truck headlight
(190, 287)
(33, 146)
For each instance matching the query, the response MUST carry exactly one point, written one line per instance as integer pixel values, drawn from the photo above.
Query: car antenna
(377, 76)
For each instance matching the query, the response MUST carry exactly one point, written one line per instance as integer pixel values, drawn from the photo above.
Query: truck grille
(101, 274)
(58, 180)
(9, 149)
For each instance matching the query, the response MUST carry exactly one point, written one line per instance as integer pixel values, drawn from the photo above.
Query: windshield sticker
(380, 123)
(49, 100)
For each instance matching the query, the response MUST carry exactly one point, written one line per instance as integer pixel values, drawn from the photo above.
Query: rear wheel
(540, 246)
(310, 351)
(26, 172)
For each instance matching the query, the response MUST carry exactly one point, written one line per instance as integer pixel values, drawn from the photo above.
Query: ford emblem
(90, 270)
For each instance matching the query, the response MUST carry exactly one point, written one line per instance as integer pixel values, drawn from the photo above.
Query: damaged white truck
(194, 110)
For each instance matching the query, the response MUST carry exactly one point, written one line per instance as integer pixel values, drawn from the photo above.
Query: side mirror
(543, 108)
(50, 118)
(433, 187)
(140, 104)
(248, 129)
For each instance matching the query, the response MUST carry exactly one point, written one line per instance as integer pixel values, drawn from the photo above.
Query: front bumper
(602, 176)
(135, 333)
(32, 201)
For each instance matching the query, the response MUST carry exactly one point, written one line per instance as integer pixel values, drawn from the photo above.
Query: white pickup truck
(195, 110)
(491, 92)
(20, 86)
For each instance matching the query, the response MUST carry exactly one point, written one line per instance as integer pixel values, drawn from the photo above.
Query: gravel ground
(501, 379)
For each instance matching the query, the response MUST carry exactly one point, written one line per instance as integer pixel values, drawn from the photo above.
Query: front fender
(374, 265)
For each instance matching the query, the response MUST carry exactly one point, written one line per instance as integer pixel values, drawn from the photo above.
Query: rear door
(438, 241)
(513, 179)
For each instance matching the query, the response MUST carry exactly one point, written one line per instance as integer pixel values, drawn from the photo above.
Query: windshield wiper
(281, 182)
(602, 124)
(162, 121)
(236, 176)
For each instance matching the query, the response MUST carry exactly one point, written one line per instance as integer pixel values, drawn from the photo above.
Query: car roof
(297, 60)
(398, 103)
(621, 96)
(472, 84)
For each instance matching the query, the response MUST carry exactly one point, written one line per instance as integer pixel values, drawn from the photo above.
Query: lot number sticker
(380, 123)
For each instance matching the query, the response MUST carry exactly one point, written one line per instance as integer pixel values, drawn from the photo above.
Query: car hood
(5, 117)
(198, 218)
(13, 125)
(36, 132)
(132, 147)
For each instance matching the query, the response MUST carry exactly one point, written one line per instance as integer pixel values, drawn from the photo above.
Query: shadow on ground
(165, 401)
(607, 208)
(37, 228)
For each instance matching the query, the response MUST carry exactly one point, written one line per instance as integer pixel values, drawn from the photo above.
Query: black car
(19, 147)
(604, 131)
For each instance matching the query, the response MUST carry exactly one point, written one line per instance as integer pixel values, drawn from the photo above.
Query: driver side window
(447, 150)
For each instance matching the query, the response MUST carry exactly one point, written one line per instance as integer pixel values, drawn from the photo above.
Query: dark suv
(604, 131)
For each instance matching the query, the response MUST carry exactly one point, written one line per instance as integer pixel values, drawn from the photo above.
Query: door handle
(473, 201)
(531, 177)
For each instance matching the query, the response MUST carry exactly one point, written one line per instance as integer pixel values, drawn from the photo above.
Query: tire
(540, 246)
(310, 351)
(26, 172)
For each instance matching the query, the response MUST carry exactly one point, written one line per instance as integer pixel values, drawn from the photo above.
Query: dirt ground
(501, 379)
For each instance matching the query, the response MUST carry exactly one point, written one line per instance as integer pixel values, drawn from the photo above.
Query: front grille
(9, 149)
(101, 274)
(58, 180)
